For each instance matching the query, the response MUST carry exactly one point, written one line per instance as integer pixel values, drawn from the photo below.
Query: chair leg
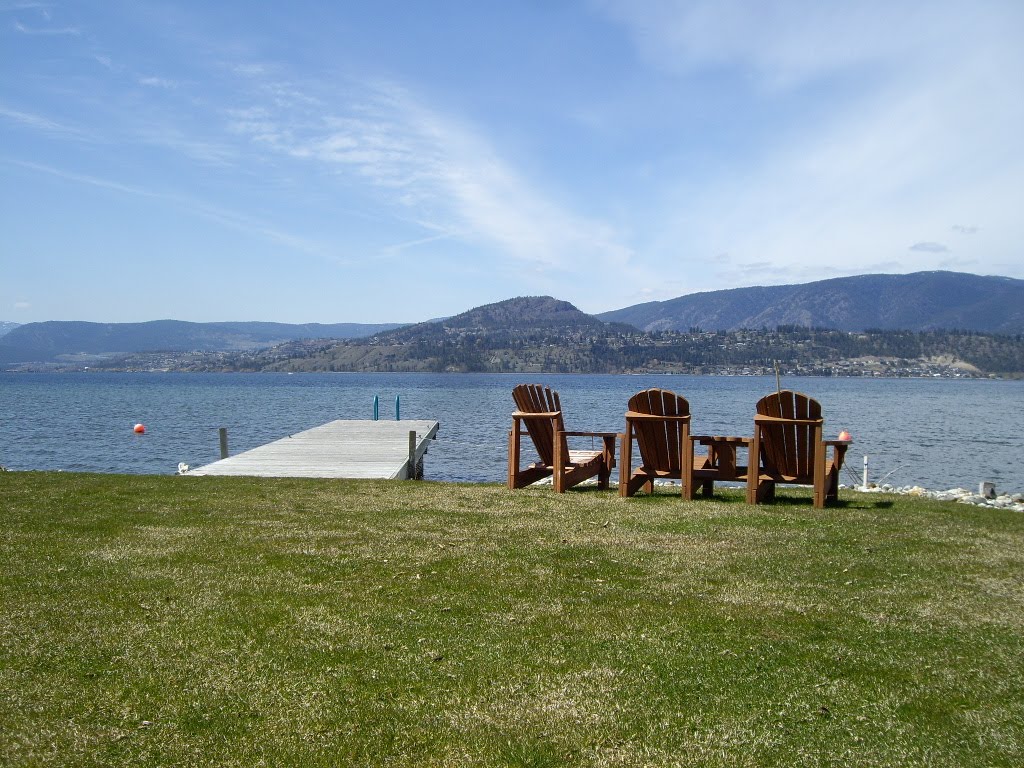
(751, 488)
(685, 448)
(607, 462)
(754, 467)
(760, 490)
(820, 475)
(625, 461)
(558, 481)
(513, 457)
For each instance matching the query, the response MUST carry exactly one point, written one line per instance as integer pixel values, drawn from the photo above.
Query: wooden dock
(350, 449)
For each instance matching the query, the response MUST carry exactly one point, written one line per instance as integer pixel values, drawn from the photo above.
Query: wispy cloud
(25, 30)
(929, 247)
(37, 122)
(205, 151)
(231, 219)
(963, 229)
(158, 82)
(436, 166)
(249, 69)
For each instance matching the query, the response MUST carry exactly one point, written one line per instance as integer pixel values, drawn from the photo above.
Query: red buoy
(140, 429)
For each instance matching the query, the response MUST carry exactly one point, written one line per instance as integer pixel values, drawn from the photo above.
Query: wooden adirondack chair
(540, 412)
(787, 447)
(659, 421)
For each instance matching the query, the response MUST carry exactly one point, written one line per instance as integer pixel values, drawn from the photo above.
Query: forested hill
(525, 317)
(919, 301)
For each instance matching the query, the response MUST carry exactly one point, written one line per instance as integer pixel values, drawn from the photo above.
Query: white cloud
(786, 43)
(936, 136)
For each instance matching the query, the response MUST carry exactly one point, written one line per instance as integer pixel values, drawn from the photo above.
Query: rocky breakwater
(1014, 501)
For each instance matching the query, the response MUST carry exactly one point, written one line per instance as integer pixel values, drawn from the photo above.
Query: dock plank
(338, 449)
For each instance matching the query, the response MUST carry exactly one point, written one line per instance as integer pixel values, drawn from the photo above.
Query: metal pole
(398, 409)
(223, 442)
(376, 408)
(864, 487)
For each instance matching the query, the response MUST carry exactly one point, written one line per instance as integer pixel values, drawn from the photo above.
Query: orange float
(140, 429)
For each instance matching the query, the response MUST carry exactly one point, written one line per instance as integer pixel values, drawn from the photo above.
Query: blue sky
(398, 161)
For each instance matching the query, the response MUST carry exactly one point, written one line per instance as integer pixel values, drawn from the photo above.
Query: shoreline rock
(1012, 501)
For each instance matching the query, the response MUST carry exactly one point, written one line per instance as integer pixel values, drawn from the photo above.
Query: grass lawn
(231, 621)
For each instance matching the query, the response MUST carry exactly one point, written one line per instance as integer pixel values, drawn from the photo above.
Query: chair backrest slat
(789, 448)
(536, 398)
(659, 440)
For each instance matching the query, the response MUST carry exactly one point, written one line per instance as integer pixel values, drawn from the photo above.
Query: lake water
(938, 433)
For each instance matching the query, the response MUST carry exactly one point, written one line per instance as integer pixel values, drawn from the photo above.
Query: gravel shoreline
(1013, 501)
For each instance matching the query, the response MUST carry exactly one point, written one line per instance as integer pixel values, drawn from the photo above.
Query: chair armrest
(535, 415)
(634, 416)
(838, 443)
(590, 434)
(760, 419)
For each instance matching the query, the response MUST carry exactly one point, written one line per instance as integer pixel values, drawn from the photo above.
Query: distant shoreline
(57, 368)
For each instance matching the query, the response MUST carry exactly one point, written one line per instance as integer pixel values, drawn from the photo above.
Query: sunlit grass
(199, 621)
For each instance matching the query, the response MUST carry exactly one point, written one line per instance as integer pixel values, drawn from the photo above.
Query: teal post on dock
(398, 408)
(376, 408)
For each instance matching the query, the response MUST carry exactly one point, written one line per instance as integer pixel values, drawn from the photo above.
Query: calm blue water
(935, 433)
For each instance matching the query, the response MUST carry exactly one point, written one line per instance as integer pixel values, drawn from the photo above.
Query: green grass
(223, 621)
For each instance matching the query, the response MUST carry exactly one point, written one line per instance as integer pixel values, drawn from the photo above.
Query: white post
(864, 487)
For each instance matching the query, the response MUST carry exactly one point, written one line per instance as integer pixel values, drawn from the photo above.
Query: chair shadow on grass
(736, 496)
(785, 500)
(724, 494)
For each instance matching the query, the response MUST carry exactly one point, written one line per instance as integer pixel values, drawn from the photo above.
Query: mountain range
(540, 334)
(920, 301)
(63, 340)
